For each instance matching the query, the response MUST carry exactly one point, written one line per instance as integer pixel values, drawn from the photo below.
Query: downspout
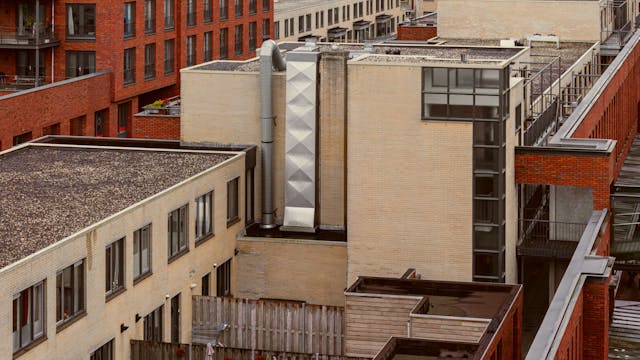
(270, 57)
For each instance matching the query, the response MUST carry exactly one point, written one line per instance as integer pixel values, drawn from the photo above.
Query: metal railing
(537, 231)
(191, 18)
(149, 71)
(169, 22)
(129, 29)
(208, 15)
(10, 82)
(13, 35)
(150, 26)
(130, 76)
(170, 106)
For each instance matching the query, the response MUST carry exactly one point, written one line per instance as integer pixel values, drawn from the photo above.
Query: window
(317, 20)
(177, 228)
(168, 56)
(330, 16)
(301, 23)
(129, 66)
(169, 22)
(208, 46)
(238, 8)
(53, 129)
(70, 293)
(286, 27)
(77, 126)
(276, 30)
(360, 9)
(336, 15)
(141, 252)
(100, 123)
(80, 63)
(223, 279)
(249, 200)
(28, 316)
(355, 11)
(114, 267)
(204, 218)
(232, 201)
(253, 6)
(308, 28)
(191, 12)
(152, 324)
(322, 18)
(252, 36)
(208, 11)
(22, 138)
(175, 319)
(81, 21)
(344, 14)
(291, 32)
(224, 36)
(124, 113)
(265, 5)
(105, 352)
(265, 28)
(129, 19)
(205, 284)
(224, 12)
(149, 16)
(191, 50)
(238, 40)
(149, 61)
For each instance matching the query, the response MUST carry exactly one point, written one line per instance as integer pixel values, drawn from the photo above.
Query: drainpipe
(270, 57)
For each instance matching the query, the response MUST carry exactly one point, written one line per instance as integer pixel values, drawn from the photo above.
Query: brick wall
(596, 319)
(508, 338)
(417, 32)
(571, 345)
(155, 127)
(58, 103)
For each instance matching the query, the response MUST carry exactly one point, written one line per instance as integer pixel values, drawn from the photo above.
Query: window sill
(114, 294)
(33, 344)
(81, 39)
(70, 321)
(150, 78)
(169, 29)
(129, 84)
(203, 239)
(169, 73)
(178, 255)
(142, 277)
(233, 221)
(208, 21)
(129, 37)
(150, 32)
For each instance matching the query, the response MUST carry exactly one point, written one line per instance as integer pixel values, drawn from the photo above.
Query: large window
(169, 65)
(149, 61)
(80, 63)
(129, 19)
(238, 8)
(124, 113)
(253, 6)
(169, 21)
(70, 293)
(104, 352)
(252, 36)
(204, 218)
(28, 316)
(301, 23)
(208, 46)
(224, 11)
(141, 252)
(208, 11)
(238, 40)
(114, 267)
(191, 50)
(81, 21)
(223, 279)
(205, 284)
(276, 30)
(100, 123)
(129, 66)
(177, 229)
(224, 39)
(149, 16)
(265, 5)
(265, 28)
(191, 12)
(232, 201)
(153, 325)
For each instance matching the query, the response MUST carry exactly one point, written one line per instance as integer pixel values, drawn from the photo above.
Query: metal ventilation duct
(300, 139)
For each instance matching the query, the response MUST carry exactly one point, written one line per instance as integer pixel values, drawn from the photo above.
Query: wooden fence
(272, 325)
(146, 350)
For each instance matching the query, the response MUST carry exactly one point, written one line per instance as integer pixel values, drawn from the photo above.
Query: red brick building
(142, 45)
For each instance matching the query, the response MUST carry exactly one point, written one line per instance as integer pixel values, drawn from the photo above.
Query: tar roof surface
(49, 193)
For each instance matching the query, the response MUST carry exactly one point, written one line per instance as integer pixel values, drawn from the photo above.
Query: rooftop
(50, 192)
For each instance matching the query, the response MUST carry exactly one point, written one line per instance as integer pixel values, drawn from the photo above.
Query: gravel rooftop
(49, 193)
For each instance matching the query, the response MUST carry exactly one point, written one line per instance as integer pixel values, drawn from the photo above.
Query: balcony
(549, 239)
(9, 83)
(12, 37)
(167, 107)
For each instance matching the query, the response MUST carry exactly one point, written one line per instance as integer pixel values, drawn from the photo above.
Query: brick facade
(155, 127)
(416, 33)
(507, 341)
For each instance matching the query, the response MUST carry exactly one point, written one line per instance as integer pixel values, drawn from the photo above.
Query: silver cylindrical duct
(270, 57)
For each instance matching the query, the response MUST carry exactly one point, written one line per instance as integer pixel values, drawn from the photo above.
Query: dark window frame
(179, 236)
(18, 319)
(150, 61)
(138, 240)
(129, 19)
(115, 266)
(233, 201)
(78, 295)
(204, 226)
(223, 279)
(85, 31)
(152, 324)
(150, 16)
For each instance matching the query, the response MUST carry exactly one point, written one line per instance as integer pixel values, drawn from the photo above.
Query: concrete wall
(103, 319)
(495, 19)
(511, 190)
(305, 270)
(409, 181)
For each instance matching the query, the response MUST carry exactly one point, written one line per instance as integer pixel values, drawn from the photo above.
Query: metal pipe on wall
(270, 57)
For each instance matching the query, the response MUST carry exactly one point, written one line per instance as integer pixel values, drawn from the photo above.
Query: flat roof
(446, 298)
(49, 192)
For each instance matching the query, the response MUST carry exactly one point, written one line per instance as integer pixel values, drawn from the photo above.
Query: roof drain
(301, 146)
(270, 57)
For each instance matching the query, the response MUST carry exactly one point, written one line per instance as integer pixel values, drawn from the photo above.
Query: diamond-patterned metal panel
(300, 141)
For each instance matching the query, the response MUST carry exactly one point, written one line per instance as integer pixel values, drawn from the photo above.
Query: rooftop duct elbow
(270, 57)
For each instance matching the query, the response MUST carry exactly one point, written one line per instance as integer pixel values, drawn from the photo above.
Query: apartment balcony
(13, 37)
(549, 239)
(9, 83)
